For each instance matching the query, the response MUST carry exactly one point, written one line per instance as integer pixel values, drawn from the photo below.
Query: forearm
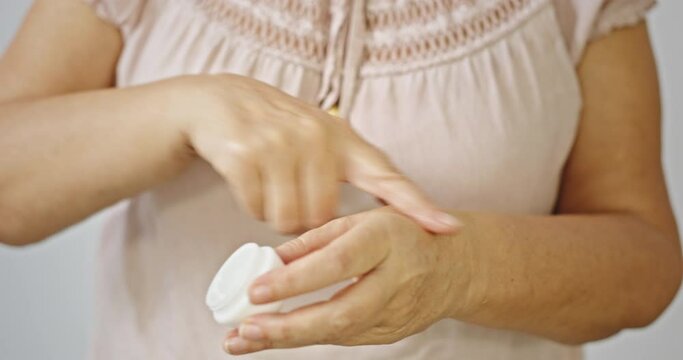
(66, 157)
(571, 278)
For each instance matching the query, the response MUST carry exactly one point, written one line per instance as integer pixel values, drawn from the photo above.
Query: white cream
(227, 296)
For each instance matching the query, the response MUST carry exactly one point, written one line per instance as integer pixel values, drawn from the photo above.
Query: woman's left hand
(403, 283)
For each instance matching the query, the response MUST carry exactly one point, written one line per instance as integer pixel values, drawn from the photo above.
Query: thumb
(371, 171)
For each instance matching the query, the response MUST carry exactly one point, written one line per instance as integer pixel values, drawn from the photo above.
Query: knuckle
(284, 212)
(342, 223)
(285, 332)
(342, 261)
(276, 138)
(287, 209)
(341, 322)
(312, 130)
(247, 152)
(248, 199)
(297, 245)
(286, 283)
(265, 344)
(251, 198)
(255, 211)
(223, 166)
(384, 334)
(221, 159)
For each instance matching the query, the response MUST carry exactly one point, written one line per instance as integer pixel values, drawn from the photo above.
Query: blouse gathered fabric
(477, 101)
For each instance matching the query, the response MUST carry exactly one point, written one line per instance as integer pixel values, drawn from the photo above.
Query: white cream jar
(227, 296)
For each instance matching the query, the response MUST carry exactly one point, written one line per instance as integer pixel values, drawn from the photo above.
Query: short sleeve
(616, 14)
(124, 14)
(584, 20)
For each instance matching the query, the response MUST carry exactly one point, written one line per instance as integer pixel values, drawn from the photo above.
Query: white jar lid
(227, 296)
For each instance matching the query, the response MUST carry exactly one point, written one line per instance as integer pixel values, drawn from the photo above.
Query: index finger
(350, 312)
(372, 172)
(354, 253)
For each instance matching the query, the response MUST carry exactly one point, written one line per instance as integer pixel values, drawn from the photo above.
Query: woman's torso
(475, 100)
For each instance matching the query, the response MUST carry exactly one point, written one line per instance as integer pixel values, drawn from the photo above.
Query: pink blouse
(476, 100)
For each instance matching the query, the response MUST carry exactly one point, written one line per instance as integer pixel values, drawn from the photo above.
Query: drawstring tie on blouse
(344, 55)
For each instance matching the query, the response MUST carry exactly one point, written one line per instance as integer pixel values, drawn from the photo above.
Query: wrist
(179, 102)
(464, 294)
(159, 121)
(186, 104)
(197, 104)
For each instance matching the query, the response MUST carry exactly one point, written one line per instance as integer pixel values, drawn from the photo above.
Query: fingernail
(236, 345)
(251, 332)
(447, 220)
(261, 293)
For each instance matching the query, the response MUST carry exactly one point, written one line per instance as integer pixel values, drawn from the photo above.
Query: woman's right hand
(74, 145)
(283, 158)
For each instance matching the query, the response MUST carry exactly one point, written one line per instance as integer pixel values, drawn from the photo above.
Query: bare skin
(608, 260)
(71, 149)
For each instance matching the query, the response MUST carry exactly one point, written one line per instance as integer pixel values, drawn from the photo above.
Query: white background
(46, 290)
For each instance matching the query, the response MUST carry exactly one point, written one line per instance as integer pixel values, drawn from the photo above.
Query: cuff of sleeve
(100, 8)
(617, 14)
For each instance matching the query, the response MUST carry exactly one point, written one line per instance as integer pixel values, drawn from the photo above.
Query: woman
(534, 122)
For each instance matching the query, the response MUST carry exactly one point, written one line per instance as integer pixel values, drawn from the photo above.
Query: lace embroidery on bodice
(294, 28)
(396, 31)
(423, 33)
(345, 39)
